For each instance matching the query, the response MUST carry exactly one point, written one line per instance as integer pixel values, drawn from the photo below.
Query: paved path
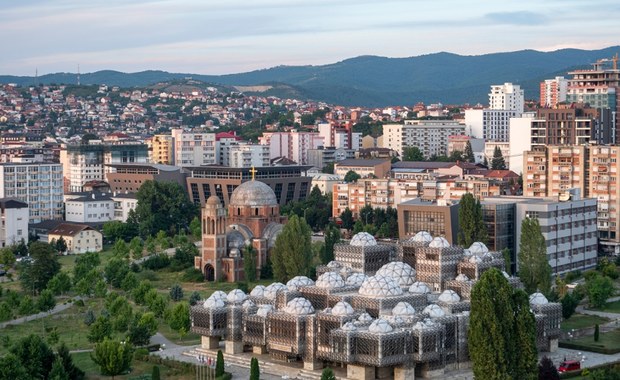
(613, 316)
(59, 308)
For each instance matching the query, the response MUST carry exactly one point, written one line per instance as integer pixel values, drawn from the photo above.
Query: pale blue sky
(229, 36)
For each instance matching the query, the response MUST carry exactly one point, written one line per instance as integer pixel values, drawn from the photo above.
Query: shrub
(572, 276)
(155, 262)
(192, 275)
(596, 333)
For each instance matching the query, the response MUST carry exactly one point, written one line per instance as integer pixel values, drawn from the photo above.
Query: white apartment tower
(194, 149)
(430, 136)
(508, 97)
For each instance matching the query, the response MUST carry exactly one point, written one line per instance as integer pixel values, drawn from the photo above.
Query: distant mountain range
(374, 81)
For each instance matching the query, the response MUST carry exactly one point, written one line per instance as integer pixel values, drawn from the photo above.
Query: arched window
(256, 211)
(213, 226)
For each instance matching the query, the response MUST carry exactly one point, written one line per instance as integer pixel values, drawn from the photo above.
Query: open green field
(83, 361)
(581, 321)
(611, 307)
(610, 340)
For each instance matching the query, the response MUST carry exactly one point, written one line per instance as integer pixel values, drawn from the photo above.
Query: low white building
(123, 203)
(89, 208)
(325, 182)
(14, 227)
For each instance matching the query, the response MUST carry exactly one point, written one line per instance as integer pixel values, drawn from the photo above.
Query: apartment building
(602, 184)
(553, 91)
(378, 168)
(506, 96)
(430, 136)
(162, 149)
(292, 145)
(565, 125)
(37, 184)
(14, 222)
(193, 148)
(89, 208)
(248, 155)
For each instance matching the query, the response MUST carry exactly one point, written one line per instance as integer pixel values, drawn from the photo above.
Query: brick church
(253, 218)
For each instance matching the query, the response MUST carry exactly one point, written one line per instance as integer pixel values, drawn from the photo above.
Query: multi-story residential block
(14, 222)
(292, 145)
(123, 203)
(247, 155)
(194, 149)
(324, 156)
(506, 97)
(430, 136)
(550, 170)
(378, 168)
(162, 147)
(224, 142)
(565, 125)
(602, 171)
(21, 153)
(325, 182)
(553, 91)
(505, 101)
(92, 207)
(37, 184)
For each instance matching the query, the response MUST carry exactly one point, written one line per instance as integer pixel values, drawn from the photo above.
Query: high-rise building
(430, 136)
(603, 170)
(565, 125)
(37, 184)
(505, 101)
(292, 145)
(247, 155)
(162, 147)
(194, 149)
(553, 91)
(508, 97)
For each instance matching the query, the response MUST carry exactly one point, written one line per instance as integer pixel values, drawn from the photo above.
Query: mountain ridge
(372, 81)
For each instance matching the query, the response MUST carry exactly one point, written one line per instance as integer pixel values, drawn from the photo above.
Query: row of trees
(376, 221)
(413, 153)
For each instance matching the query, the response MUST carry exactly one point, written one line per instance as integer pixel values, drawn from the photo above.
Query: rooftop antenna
(78, 75)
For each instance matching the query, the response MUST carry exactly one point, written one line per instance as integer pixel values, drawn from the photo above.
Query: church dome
(253, 194)
(213, 200)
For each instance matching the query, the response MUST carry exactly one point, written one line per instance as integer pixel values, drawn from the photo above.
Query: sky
(232, 36)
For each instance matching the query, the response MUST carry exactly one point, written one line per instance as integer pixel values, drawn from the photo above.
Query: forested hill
(376, 81)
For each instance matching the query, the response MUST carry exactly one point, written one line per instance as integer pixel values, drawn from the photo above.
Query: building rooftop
(69, 229)
(361, 162)
(12, 203)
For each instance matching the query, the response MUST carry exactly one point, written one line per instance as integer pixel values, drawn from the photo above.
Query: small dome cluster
(478, 249)
(449, 296)
(439, 242)
(380, 326)
(272, 290)
(403, 309)
(380, 286)
(236, 296)
(356, 279)
(258, 291)
(342, 308)
(538, 299)
(296, 282)
(421, 237)
(330, 280)
(434, 311)
(299, 306)
(401, 272)
(363, 239)
(419, 287)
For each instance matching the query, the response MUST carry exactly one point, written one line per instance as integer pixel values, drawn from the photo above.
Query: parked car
(569, 365)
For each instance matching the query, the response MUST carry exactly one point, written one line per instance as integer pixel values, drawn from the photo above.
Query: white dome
(258, 291)
(345, 272)
(294, 283)
(349, 326)
(380, 286)
(538, 299)
(363, 239)
(421, 237)
(356, 279)
(380, 326)
(403, 273)
(299, 306)
(466, 252)
(419, 326)
(449, 296)
(236, 296)
(364, 318)
(334, 264)
(434, 311)
(439, 242)
(394, 320)
(419, 287)
(219, 294)
(403, 309)
(486, 257)
(272, 290)
(478, 248)
(342, 308)
(247, 304)
(214, 303)
(330, 280)
(263, 310)
(474, 259)
(462, 277)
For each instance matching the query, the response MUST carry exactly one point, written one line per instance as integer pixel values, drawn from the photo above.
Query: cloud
(516, 18)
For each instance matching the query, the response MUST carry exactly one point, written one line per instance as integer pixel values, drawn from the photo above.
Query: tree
(524, 337)
(351, 176)
(179, 318)
(176, 292)
(599, 289)
(412, 153)
(112, 357)
(569, 304)
(60, 283)
(468, 155)
(332, 236)
(162, 206)
(89, 317)
(35, 355)
(46, 301)
(115, 230)
(328, 374)
(26, 306)
(7, 257)
(219, 364)
(596, 332)
(194, 298)
(254, 370)
(61, 245)
(534, 268)
(67, 362)
(100, 330)
(155, 373)
(507, 259)
(196, 228)
(249, 263)
(347, 219)
(130, 281)
(139, 293)
(136, 246)
(292, 253)
(546, 370)
(84, 264)
(12, 368)
(35, 274)
(142, 328)
(58, 371)
(115, 271)
(498, 163)
(471, 225)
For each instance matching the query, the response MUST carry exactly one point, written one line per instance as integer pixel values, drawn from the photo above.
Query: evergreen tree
(100, 330)
(546, 370)
(351, 176)
(61, 245)
(471, 224)
(46, 301)
(332, 236)
(176, 292)
(596, 333)
(468, 155)
(155, 373)
(534, 268)
(112, 357)
(36, 274)
(219, 364)
(498, 162)
(58, 371)
(569, 304)
(254, 370)
(328, 374)
(194, 298)
(35, 355)
(12, 368)
(89, 317)
(347, 219)
(249, 263)
(491, 323)
(67, 362)
(524, 338)
(292, 253)
(412, 153)
(485, 162)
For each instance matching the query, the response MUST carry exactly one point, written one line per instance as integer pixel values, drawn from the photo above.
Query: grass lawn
(187, 340)
(580, 321)
(83, 361)
(611, 307)
(609, 339)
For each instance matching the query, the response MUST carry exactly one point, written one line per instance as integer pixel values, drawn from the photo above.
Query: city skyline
(230, 37)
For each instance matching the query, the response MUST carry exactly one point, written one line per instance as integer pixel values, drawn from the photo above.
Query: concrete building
(602, 184)
(325, 182)
(489, 124)
(565, 125)
(289, 183)
(507, 97)
(430, 136)
(550, 170)
(127, 178)
(96, 208)
(193, 148)
(248, 155)
(162, 148)
(38, 184)
(324, 156)
(439, 218)
(14, 218)
(520, 140)
(489, 151)
(378, 168)
(123, 203)
(553, 91)
(80, 238)
(292, 145)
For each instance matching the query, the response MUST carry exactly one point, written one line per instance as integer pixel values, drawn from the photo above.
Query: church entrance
(209, 273)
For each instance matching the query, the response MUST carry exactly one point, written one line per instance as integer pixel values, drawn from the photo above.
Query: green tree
(60, 283)
(534, 268)
(36, 274)
(12, 368)
(115, 230)
(546, 370)
(179, 317)
(412, 153)
(58, 371)
(120, 249)
(254, 369)
(194, 298)
(112, 357)
(292, 253)
(84, 264)
(89, 317)
(347, 219)
(35, 355)
(115, 271)
(491, 322)
(142, 328)
(136, 246)
(249, 263)
(67, 362)
(140, 292)
(498, 162)
(524, 338)
(332, 237)
(61, 245)
(569, 304)
(176, 292)
(7, 257)
(599, 289)
(219, 364)
(596, 332)
(351, 176)
(46, 301)
(328, 374)
(468, 155)
(155, 373)
(471, 224)
(162, 206)
(100, 330)
(507, 259)
(130, 281)
(196, 228)
(26, 306)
